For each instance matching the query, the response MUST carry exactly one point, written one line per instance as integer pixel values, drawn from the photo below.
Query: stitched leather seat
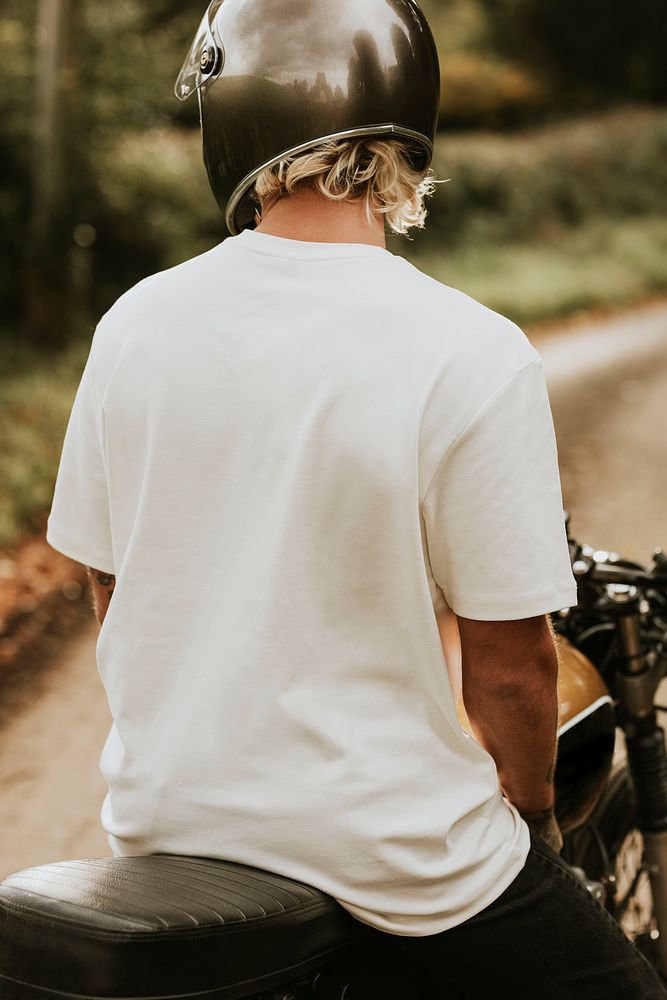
(159, 926)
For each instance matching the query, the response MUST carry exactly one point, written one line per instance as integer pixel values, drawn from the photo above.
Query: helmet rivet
(207, 60)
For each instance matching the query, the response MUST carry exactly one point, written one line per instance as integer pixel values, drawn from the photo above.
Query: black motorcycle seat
(160, 926)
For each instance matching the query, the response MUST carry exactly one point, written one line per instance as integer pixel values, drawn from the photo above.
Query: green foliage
(458, 26)
(604, 262)
(480, 86)
(154, 200)
(534, 186)
(484, 91)
(36, 395)
(138, 199)
(599, 51)
(122, 61)
(133, 51)
(543, 182)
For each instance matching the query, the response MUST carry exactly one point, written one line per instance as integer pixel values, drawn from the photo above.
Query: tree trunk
(47, 312)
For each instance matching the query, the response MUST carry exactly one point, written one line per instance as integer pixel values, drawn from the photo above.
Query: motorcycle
(613, 813)
(166, 926)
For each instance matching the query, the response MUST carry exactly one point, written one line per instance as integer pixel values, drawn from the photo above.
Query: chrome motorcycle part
(600, 555)
(286, 79)
(596, 889)
(625, 600)
(638, 678)
(621, 593)
(611, 849)
(620, 621)
(647, 760)
(655, 857)
(637, 691)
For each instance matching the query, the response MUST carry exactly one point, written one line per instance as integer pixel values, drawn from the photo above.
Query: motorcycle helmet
(277, 77)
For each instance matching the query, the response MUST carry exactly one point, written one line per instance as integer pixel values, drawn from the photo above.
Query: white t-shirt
(296, 458)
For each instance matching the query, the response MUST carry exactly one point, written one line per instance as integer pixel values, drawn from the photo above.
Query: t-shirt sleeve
(79, 522)
(493, 511)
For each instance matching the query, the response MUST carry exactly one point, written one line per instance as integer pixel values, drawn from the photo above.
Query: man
(304, 476)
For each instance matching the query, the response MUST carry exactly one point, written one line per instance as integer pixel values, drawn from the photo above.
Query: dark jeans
(544, 938)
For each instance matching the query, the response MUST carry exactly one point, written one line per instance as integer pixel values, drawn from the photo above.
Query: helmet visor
(191, 76)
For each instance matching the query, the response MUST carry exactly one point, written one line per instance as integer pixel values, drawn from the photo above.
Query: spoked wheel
(610, 849)
(633, 898)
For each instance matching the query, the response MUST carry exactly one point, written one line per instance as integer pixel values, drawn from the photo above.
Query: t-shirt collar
(280, 246)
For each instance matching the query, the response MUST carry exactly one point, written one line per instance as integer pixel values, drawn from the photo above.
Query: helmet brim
(240, 211)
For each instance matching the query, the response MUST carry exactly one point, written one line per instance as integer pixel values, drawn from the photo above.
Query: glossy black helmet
(276, 77)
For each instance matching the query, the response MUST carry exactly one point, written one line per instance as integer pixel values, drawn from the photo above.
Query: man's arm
(510, 673)
(102, 588)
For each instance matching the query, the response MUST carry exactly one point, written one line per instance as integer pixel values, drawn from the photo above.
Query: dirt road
(608, 387)
(50, 787)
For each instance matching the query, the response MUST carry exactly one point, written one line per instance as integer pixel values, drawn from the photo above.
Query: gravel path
(608, 387)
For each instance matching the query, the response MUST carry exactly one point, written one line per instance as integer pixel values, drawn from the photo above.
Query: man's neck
(308, 215)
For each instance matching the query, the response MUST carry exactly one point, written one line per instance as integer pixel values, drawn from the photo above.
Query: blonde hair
(377, 171)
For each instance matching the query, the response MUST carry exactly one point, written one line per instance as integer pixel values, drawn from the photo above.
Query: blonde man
(313, 478)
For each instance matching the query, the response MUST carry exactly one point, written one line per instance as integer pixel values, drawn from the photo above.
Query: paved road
(608, 388)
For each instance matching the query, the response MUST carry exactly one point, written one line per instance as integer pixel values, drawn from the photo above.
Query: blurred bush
(544, 181)
(487, 92)
(605, 264)
(135, 197)
(115, 71)
(599, 52)
(36, 395)
(508, 63)
(154, 206)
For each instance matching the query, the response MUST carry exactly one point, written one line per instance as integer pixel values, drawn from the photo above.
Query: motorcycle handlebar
(613, 573)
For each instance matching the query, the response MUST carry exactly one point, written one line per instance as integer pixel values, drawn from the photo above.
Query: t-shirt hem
(425, 927)
(511, 609)
(78, 551)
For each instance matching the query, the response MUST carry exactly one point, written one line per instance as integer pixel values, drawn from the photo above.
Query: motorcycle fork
(636, 681)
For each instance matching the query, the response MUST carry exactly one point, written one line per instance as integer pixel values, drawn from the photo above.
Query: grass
(602, 263)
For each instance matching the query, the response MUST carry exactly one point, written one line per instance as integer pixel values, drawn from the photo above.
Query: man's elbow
(509, 655)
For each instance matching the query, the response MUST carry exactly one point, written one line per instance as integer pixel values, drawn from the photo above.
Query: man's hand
(510, 675)
(546, 826)
(102, 588)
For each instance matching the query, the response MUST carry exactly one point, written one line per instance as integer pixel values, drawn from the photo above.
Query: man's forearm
(511, 699)
(101, 588)
(518, 728)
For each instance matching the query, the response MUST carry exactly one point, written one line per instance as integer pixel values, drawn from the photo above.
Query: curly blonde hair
(377, 171)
